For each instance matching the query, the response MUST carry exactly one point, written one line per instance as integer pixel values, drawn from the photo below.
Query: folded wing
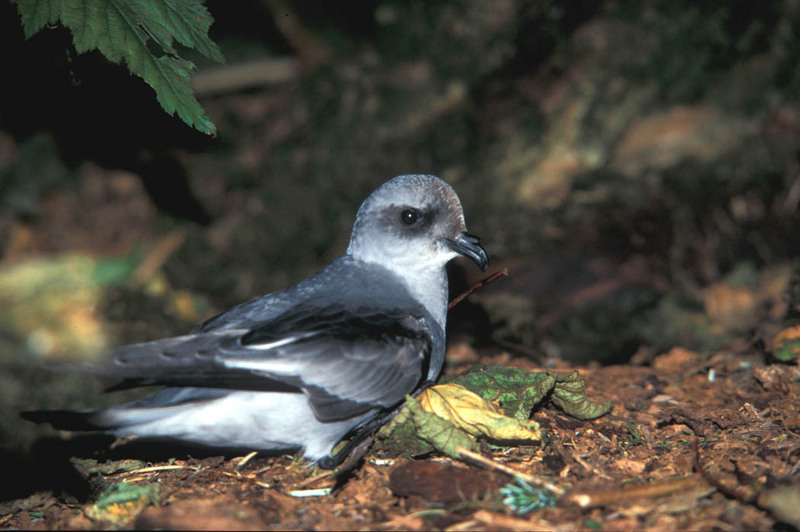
(347, 362)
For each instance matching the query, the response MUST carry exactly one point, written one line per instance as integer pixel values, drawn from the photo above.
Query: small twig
(321, 492)
(530, 479)
(262, 470)
(731, 489)
(304, 41)
(248, 477)
(590, 468)
(505, 522)
(244, 460)
(480, 284)
(255, 74)
(152, 469)
(528, 352)
(237, 475)
(309, 481)
(600, 498)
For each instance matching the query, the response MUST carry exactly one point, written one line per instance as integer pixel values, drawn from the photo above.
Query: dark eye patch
(410, 220)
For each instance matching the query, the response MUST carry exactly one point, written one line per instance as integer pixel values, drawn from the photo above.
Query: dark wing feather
(347, 362)
(190, 360)
(352, 363)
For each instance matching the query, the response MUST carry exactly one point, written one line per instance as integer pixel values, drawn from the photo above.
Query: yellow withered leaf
(476, 416)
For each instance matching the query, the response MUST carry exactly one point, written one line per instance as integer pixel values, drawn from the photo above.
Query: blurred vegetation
(130, 32)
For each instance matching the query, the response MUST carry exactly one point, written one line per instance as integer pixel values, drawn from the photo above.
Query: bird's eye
(409, 216)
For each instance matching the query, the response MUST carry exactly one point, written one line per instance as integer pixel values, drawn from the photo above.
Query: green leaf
(517, 391)
(123, 492)
(35, 15)
(569, 394)
(439, 432)
(124, 31)
(786, 344)
(422, 426)
(120, 503)
(514, 390)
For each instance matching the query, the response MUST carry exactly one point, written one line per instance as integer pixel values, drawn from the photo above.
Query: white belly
(255, 420)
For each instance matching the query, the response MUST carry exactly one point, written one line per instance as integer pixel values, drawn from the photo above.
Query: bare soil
(692, 442)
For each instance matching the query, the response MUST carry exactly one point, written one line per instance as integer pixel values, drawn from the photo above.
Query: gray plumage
(304, 367)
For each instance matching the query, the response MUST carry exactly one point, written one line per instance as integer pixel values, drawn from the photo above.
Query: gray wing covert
(347, 362)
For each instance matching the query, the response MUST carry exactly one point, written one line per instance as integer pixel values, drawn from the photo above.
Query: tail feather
(164, 403)
(109, 419)
(67, 419)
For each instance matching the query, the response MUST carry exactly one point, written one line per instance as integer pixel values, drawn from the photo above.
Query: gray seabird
(305, 367)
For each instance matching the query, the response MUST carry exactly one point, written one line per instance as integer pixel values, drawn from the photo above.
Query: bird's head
(413, 223)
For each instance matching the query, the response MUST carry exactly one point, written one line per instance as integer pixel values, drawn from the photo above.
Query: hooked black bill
(469, 246)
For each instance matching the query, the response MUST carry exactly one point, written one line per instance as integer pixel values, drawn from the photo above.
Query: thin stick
(505, 522)
(480, 284)
(660, 489)
(590, 468)
(244, 75)
(309, 481)
(151, 469)
(245, 459)
(530, 479)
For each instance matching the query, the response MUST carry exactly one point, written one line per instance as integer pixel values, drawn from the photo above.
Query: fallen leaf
(476, 416)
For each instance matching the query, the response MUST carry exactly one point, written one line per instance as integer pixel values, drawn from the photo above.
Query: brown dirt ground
(679, 450)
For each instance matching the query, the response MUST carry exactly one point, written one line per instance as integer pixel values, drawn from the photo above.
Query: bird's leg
(363, 436)
(359, 435)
